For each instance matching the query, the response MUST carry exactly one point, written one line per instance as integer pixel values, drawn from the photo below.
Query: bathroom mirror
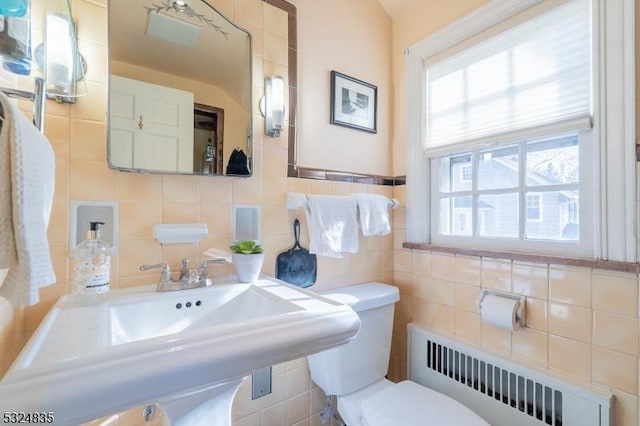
(179, 89)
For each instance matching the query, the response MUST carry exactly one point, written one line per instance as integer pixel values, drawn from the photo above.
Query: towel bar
(296, 200)
(37, 97)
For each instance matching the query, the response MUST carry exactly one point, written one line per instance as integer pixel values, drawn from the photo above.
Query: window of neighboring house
(465, 173)
(507, 157)
(534, 207)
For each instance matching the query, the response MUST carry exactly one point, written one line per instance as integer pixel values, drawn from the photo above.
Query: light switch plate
(261, 383)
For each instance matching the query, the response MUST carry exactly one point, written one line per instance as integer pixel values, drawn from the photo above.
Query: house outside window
(465, 173)
(512, 184)
(506, 141)
(534, 207)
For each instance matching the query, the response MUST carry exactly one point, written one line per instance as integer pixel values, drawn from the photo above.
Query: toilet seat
(409, 404)
(350, 406)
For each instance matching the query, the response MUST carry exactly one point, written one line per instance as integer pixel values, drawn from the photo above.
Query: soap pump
(92, 267)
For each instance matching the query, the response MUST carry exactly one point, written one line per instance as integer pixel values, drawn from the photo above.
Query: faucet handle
(204, 272)
(147, 266)
(205, 262)
(166, 271)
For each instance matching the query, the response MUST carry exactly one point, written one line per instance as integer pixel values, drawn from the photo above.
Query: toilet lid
(409, 404)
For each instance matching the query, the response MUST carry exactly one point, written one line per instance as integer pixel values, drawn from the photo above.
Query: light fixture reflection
(179, 5)
(60, 54)
(273, 105)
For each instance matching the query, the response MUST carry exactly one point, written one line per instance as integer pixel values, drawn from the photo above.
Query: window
(530, 75)
(465, 173)
(509, 189)
(534, 207)
(508, 148)
(518, 79)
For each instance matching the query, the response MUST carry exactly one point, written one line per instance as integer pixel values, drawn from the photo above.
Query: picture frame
(354, 103)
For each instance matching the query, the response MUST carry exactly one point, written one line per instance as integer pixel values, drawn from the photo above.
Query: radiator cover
(501, 392)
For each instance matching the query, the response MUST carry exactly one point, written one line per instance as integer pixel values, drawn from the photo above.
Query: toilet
(355, 372)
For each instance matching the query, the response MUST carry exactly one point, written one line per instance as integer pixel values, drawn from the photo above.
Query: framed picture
(354, 103)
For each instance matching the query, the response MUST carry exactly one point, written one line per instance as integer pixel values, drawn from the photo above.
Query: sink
(187, 351)
(132, 321)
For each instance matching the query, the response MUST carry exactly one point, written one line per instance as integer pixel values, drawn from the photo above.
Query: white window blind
(535, 74)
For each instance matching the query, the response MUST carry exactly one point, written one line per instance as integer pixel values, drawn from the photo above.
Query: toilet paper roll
(500, 312)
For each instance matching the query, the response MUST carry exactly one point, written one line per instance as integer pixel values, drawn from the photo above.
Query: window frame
(581, 248)
(613, 176)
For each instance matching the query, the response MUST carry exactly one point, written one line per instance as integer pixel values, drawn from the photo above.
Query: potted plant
(247, 258)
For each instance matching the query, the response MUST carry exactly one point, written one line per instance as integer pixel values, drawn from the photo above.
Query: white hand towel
(333, 225)
(27, 173)
(296, 200)
(373, 211)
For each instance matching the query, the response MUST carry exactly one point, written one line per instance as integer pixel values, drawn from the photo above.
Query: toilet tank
(365, 359)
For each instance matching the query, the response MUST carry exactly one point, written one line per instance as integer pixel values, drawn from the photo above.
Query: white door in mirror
(149, 125)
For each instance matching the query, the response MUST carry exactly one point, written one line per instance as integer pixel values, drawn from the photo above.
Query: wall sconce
(58, 56)
(272, 106)
(60, 64)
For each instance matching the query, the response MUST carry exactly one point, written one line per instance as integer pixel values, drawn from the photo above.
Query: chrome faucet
(166, 283)
(189, 277)
(203, 270)
(184, 271)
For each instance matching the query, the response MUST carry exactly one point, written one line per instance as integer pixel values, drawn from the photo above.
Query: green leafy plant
(246, 247)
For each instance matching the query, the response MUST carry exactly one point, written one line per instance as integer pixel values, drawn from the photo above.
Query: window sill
(533, 258)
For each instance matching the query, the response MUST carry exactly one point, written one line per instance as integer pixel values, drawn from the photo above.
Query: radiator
(502, 393)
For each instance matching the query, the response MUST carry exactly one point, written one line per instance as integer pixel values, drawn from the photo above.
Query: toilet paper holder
(520, 311)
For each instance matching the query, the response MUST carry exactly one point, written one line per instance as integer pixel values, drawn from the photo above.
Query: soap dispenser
(92, 267)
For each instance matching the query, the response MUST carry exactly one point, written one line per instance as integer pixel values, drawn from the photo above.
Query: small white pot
(247, 266)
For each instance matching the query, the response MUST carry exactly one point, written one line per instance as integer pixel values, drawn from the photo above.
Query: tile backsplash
(582, 323)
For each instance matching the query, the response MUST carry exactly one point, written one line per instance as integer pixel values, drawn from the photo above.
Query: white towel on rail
(373, 212)
(296, 200)
(333, 225)
(27, 173)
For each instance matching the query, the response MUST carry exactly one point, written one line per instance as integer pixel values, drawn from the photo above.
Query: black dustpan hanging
(296, 265)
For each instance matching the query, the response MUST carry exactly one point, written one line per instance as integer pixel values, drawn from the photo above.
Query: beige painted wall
(352, 37)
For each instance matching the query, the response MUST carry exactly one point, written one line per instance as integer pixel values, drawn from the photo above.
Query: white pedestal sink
(187, 350)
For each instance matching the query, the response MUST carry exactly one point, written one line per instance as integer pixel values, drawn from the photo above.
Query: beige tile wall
(78, 135)
(582, 323)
